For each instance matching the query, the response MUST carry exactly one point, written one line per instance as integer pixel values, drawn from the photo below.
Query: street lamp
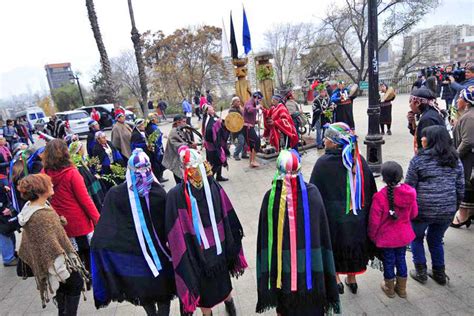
(75, 77)
(374, 139)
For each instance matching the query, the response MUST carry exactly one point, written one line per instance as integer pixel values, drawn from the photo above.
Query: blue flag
(246, 41)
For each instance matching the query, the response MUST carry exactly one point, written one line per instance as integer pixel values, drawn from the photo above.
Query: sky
(35, 33)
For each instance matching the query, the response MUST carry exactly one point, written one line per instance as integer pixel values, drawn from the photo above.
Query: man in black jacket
(423, 105)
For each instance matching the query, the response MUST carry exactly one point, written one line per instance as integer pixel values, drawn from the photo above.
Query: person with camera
(469, 74)
(447, 93)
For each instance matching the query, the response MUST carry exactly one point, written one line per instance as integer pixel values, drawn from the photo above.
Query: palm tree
(106, 69)
(141, 65)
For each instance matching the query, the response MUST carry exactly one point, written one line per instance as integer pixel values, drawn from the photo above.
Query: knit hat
(92, 123)
(178, 117)
(191, 159)
(138, 122)
(342, 135)
(139, 179)
(423, 93)
(236, 98)
(120, 114)
(75, 147)
(468, 95)
(258, 95)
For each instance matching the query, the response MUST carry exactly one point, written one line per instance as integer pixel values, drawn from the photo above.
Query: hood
(404, 195)
(57, 175)
(28, 210)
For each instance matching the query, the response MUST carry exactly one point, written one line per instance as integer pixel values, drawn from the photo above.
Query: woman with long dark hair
(437, 175)
(71, 198)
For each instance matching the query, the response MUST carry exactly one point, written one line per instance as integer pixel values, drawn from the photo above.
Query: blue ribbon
(145, 231)
(307, 232)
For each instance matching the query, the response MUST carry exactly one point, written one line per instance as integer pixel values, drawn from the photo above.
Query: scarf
(341, 134)
(44, 240)
(294, 245)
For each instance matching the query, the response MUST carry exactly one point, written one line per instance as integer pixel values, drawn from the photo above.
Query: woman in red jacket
(71, 198)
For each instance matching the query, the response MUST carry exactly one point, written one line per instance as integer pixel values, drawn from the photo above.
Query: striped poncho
(295, 266)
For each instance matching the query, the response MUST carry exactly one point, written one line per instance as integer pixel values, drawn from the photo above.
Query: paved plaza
(246, 189)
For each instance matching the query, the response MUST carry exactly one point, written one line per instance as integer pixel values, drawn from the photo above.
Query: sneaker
(12, 263)
(389, 132)
(237, 158)
(245, 157)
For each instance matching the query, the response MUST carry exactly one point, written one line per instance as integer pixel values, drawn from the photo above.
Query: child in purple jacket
(390, 228)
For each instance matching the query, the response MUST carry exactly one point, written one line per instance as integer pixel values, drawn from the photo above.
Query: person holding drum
(387, 95)
(236, 107)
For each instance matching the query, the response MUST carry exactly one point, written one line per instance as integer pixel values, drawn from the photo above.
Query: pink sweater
(382, 229)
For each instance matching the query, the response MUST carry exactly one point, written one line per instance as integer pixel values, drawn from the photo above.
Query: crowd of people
(96, 215)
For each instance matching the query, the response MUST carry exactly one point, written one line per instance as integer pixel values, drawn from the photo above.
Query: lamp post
(374, 139)
(75, 77)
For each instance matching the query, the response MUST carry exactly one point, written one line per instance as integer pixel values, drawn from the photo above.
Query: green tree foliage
(184, 61)
(67, 97)
(100, 93)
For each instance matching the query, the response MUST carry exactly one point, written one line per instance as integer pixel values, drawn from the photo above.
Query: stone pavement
(246, 189)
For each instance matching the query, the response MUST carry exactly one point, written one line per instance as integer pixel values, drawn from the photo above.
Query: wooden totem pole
(265, 76)
(242, 85)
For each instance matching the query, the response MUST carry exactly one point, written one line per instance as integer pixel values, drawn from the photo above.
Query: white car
(77, 119)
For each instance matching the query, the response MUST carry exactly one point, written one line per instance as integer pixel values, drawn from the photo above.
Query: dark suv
(105, 110)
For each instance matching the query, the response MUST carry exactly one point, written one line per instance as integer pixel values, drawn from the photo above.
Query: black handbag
(23, 270)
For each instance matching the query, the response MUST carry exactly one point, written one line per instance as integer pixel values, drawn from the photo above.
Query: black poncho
(119, 270)
(349, 239)
(202, 276)
(321, 293)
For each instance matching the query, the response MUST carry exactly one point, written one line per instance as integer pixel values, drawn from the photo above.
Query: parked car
(106, 118)
(31, 114)
(77, 119)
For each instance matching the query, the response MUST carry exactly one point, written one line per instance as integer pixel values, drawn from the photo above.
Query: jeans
(239, 148)
(7, 245)
(434, 236)
(394, 257)
(319, 132)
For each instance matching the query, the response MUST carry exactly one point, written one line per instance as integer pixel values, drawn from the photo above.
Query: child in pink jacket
(390, 228)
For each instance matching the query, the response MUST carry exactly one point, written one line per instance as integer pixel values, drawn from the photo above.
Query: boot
(72, 303)
(419, 274)
(438, 275)
(60, 300)
(230, 307)
(388, 287)
(401, 287)
(164, 309)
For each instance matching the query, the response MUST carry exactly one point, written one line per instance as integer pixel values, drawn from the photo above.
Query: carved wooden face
(241, 72)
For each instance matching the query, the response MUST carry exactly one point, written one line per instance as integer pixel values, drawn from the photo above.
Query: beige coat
(121, 136)
(171, 157)
(464, 141)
